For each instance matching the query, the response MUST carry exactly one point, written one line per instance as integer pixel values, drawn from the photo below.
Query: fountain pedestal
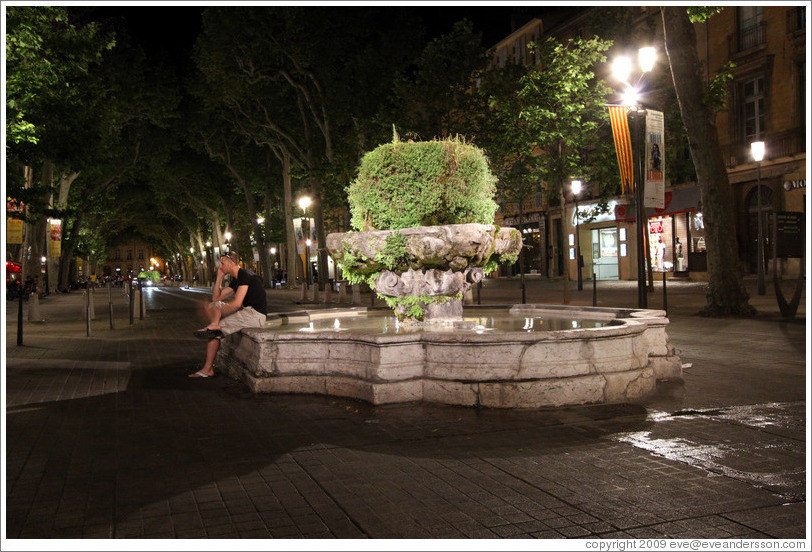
(425, 270)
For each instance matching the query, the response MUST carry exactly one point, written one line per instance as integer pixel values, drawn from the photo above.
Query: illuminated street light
(621, 69)
(758, 149)
(576, 189)
(304, 203)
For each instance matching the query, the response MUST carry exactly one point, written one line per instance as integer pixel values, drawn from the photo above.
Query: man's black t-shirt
(255, 297)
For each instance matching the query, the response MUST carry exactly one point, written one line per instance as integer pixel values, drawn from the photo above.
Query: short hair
(233, 256)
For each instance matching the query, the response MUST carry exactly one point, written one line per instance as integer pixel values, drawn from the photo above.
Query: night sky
(174, 29)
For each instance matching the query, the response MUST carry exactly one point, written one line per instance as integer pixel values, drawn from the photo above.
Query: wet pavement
(106, 438)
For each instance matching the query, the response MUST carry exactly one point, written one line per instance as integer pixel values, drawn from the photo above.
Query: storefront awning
(676, 201)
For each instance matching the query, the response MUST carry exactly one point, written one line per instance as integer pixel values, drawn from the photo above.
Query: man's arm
(236, 303)
(218, 292)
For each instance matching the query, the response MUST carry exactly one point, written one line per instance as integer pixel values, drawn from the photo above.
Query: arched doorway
(752, 226)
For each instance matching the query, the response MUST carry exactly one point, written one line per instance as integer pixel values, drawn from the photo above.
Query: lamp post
(621, 68)
(272, 251)
(757, 149)
(307, 261)
(227, 245)
(576, 189)
(209, 262)
(304, 203)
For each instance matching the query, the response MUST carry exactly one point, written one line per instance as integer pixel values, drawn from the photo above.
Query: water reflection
(478, 323)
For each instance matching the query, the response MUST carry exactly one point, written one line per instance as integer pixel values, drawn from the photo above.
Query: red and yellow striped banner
(623, 145)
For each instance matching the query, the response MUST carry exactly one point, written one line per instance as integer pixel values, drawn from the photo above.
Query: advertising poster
(14, 231)
(54, 237)
(655, 160)
(300, 240)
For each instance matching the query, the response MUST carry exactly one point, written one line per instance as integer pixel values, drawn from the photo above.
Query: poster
(54, 237)
(297, 230)
(14, 231)
(608, 242)
(655, 160)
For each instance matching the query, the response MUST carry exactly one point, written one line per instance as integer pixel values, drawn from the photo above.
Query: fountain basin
(613, 356)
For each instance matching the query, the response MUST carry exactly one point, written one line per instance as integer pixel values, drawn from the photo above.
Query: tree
(48, 62)
(726, 293)
(564, 107)
(433, 95)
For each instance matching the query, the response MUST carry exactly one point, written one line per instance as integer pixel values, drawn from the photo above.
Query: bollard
(328, 297)
(142, 309)
(132, 302)
(33, 308)
(88, 326)
(91, 311)
(303, 296)
(594, 291)
(315, 295)
(110, 305)
(20, 319)
(665, 294)
(356, 294)
(566, 288)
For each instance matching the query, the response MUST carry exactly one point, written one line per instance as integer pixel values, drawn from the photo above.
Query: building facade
(766, 102)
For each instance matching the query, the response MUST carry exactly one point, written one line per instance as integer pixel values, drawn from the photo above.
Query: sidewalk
(107, 438)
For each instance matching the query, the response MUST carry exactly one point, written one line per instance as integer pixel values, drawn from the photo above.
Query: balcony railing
(750, 37)
(780, 144)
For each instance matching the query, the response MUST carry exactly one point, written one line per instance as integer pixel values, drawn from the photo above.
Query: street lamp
(307, 259)
(304, 203)
(272, 251)
(576, 189)
(757, 149)
(622, 68)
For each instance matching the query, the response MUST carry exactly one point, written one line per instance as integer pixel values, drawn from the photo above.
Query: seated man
(247, 309)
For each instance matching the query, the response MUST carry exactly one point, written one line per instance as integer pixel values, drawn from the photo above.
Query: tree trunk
(726, 293)
(290, 234)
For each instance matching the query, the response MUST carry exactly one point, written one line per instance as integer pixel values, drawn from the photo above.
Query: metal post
(642, 299)
(578, 245)
(141, 300)
(110, 305)
(132, 301)
(665, 292)
(88, 328)
(594, 290)
(478, 292)
(20, 315)
(760, 245)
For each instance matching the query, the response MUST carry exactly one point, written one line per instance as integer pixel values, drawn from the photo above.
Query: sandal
(200, 374)
(208, 334)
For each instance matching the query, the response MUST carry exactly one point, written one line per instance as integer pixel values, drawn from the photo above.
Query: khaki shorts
(246, 317)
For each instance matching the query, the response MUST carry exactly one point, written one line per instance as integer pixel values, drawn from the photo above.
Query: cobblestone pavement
(106, 438)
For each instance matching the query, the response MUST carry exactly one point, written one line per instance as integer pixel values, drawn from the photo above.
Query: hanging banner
(618, 115)
(54, 237)
(655, 161)
(14, 231)
(300, 240)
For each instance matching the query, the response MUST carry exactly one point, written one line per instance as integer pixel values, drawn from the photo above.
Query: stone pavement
(106, 438)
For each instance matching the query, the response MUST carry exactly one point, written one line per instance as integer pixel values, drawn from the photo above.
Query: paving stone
(107, 438)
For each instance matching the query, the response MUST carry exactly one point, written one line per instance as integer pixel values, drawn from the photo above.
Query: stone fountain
(430, 347)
